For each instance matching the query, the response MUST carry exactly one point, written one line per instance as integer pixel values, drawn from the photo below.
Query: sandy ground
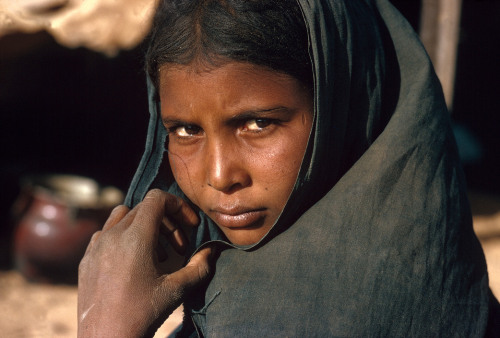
(486, 216)
(37, 310)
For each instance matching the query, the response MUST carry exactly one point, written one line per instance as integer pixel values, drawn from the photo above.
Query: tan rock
(106, 26)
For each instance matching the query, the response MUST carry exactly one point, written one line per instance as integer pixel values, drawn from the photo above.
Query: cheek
(182, 175)
(293, 150)
(280, 165)
(279, 162)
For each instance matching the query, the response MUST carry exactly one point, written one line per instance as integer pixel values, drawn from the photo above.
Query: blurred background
(73, 101)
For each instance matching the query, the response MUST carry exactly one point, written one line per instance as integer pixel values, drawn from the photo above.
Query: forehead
(228, 86)
(231, 72)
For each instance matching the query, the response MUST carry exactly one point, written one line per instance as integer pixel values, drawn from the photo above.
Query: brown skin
(237, 138)
(123, 289)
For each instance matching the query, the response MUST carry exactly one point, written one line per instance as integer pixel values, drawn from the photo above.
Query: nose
(226, 168)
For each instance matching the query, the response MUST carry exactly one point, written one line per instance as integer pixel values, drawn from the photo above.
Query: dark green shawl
(376, 239)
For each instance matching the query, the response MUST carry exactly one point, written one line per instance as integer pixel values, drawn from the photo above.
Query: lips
(238, 217)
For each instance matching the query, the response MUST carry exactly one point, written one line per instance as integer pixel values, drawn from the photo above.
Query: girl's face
(237, 136)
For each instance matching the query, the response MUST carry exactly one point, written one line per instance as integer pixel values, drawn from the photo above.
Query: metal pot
(56, 216)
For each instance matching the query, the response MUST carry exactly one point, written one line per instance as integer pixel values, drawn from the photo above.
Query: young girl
(310, 143)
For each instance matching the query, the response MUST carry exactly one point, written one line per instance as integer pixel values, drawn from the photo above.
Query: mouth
(238, 217)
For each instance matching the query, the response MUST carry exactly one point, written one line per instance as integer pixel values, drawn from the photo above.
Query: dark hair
(262, 32)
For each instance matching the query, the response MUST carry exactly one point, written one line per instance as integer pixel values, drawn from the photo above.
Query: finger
(116, 216)
(155, 206)
(161, 250)
(173, 287)
(150, 213)
(195, 272)
(175, 236)
(182, 214)
(94, 238)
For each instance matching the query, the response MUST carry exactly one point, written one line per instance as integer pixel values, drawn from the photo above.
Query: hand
(123, 290)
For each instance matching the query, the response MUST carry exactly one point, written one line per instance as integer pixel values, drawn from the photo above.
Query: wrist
(109, 324)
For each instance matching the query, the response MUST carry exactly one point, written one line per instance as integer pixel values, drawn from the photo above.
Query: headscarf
(376, 238)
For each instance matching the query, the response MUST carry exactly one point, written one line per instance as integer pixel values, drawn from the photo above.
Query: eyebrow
(167, 121)
(242, 116)
(251, 114)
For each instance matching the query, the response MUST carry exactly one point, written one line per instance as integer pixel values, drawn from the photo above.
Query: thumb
(177, 284)
(172, 288)
(199, 267)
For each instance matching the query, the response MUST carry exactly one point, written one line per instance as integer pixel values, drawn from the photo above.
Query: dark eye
(257, 124)
(186, 131)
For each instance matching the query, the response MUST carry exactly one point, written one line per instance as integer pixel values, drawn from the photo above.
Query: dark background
(76, 111)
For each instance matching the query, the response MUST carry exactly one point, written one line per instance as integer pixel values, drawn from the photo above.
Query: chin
(245, 236)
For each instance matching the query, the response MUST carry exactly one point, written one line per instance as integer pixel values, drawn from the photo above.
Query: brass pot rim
(79, 191)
